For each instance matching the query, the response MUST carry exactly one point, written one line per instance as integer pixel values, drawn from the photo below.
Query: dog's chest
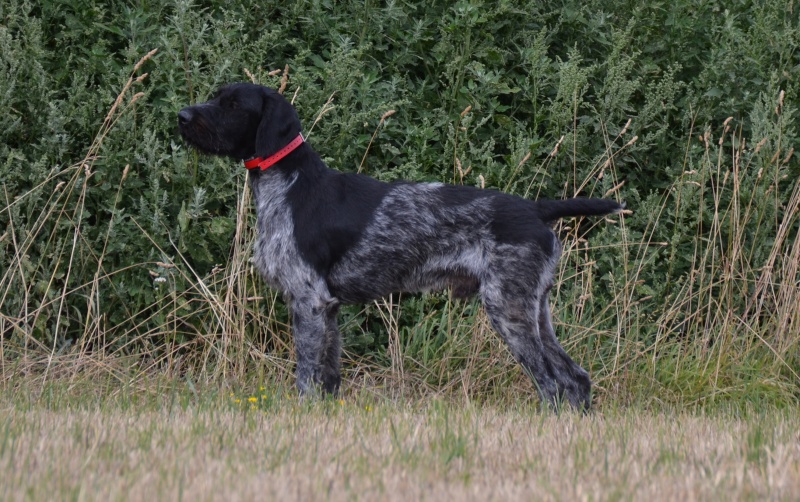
(275, 254)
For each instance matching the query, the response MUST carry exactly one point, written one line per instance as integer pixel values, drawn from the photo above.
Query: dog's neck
(263, 164)
(302, 170)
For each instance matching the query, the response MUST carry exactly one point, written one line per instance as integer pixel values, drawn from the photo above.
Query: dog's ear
(279, 124)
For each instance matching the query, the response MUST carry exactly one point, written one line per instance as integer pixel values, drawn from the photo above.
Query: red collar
(274, 159)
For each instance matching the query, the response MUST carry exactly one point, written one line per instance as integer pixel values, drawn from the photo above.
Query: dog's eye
(230, 103)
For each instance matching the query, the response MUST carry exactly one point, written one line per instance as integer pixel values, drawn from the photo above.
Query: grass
(164, 439)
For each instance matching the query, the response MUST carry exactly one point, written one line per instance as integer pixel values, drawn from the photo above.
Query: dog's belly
(359, 278)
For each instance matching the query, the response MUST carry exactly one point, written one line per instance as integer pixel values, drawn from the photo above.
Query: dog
(327, 238)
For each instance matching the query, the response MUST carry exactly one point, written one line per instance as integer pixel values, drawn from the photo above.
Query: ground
(173, 441)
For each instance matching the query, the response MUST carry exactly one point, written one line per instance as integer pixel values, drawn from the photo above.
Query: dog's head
(241, 121)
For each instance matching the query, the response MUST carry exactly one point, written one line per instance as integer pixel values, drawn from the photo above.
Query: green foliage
(533, 98)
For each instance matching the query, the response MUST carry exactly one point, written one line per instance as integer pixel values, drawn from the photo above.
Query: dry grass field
(173, 442)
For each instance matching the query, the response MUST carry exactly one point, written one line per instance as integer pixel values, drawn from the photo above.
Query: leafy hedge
(587, 76)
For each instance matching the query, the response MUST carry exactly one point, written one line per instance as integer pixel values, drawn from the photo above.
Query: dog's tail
(551, 210)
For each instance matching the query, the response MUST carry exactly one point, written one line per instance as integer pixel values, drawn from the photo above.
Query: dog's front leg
(311, 326)
(332, 356)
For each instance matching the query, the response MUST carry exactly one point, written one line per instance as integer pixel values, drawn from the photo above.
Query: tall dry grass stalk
(734, 311)
(382, 121)
(66, 202)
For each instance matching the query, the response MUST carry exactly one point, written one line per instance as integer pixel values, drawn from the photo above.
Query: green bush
(117, 238)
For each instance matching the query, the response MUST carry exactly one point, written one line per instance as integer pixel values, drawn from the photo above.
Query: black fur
(329, 222)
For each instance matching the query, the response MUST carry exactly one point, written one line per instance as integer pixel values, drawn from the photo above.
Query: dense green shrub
(82, 255)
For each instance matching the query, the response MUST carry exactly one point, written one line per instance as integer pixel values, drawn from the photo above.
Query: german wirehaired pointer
(327, 238)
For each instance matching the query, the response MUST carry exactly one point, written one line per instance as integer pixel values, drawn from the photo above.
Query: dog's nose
(185, 116)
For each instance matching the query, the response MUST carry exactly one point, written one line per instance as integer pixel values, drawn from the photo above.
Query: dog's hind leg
(514, 321)
(523, 321)
(573, 382)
